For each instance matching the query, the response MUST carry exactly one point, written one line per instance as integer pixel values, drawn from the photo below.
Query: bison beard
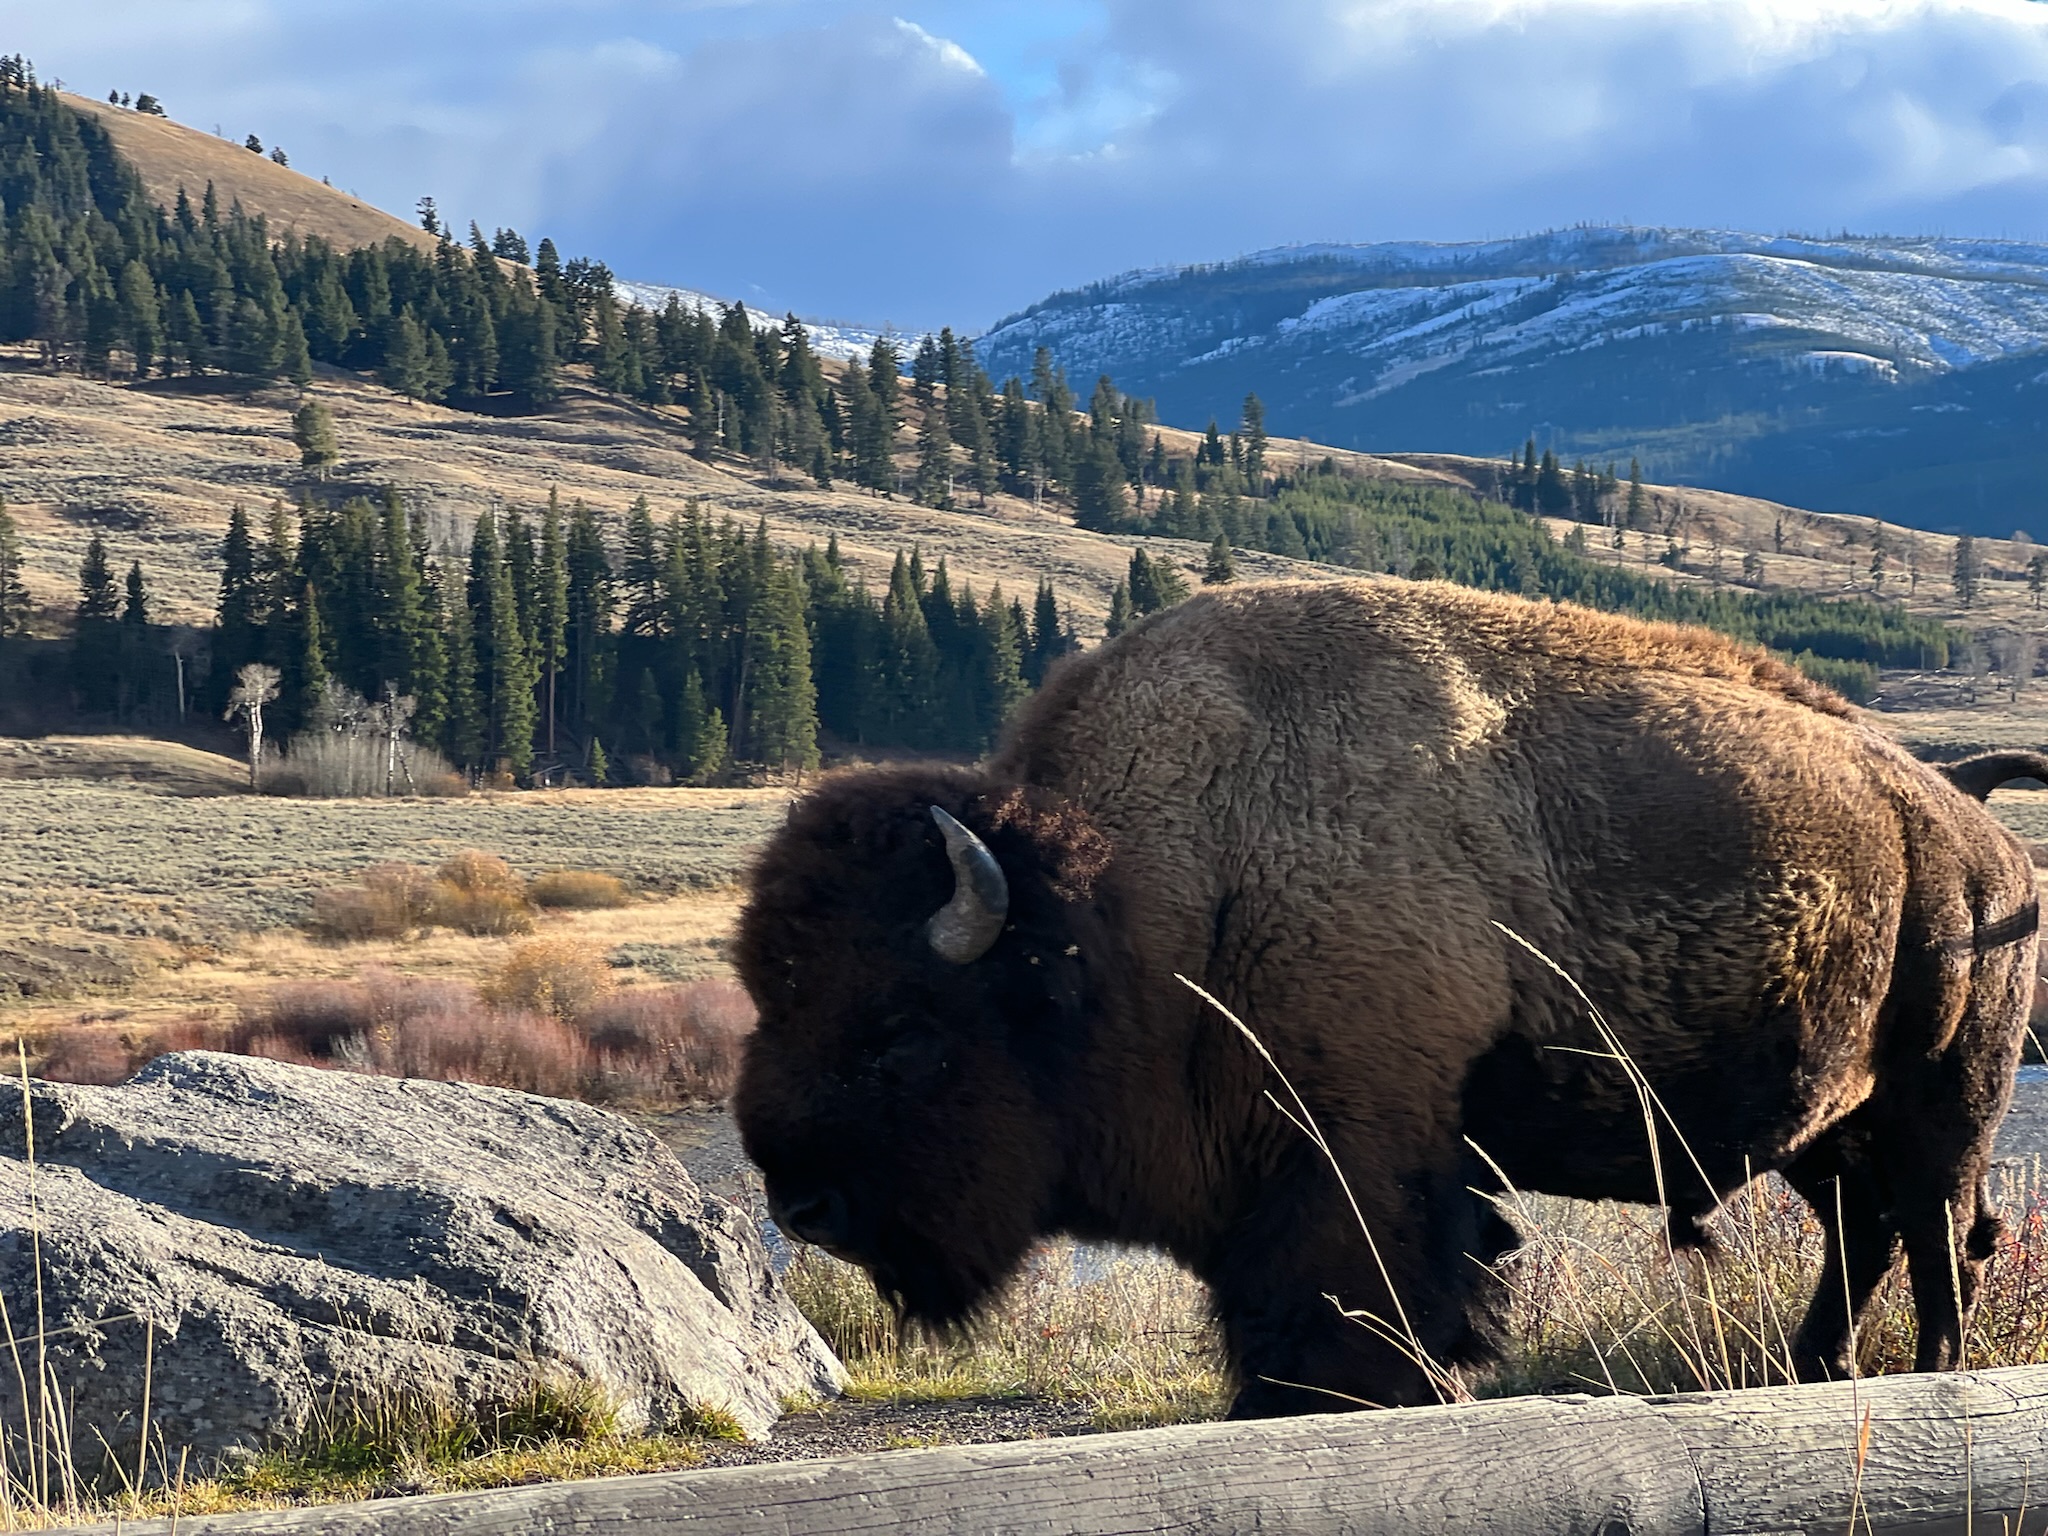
(1325, 803)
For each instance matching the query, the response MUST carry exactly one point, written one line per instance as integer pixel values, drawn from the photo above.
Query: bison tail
(1978, 776)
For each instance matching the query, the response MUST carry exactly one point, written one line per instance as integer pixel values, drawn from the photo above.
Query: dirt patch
(856, 1429)
(38, 968)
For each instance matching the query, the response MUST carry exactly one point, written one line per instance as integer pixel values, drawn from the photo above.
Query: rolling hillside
(156, 465)
(170, 155)
(1898, 378)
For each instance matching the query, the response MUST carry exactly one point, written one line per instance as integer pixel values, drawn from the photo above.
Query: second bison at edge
(1323, 803)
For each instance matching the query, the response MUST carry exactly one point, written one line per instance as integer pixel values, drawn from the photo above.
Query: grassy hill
(171, 156)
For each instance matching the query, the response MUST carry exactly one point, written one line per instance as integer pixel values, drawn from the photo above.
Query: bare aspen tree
(255, 686)
(393, 716)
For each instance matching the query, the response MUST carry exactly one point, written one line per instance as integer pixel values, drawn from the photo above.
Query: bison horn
(963, 929)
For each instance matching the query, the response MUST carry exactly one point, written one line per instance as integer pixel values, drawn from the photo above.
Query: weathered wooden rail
(1964, 1454)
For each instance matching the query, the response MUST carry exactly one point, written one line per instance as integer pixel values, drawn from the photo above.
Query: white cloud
(945, 50)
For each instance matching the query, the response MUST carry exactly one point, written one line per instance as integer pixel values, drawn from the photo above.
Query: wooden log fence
(1954, 1455)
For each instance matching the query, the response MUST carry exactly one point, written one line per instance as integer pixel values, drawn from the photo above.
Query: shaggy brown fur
(1318, 801)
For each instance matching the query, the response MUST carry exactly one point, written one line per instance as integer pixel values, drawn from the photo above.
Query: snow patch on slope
(843, 342)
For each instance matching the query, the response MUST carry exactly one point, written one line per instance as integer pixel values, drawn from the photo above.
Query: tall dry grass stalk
(1600, 1303)
(1126, 1335)
(1601, 1300)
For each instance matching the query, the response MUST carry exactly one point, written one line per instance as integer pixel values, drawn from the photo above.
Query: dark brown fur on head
(904, 1107)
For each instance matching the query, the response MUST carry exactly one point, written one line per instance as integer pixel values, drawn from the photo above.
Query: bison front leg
(1309, 1321)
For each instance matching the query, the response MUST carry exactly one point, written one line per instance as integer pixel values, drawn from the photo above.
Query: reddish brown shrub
(656, 1045)
(670, 1044)
(81, 1053)
(310, 1018)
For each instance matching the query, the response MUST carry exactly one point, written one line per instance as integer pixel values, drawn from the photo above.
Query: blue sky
(949, 161)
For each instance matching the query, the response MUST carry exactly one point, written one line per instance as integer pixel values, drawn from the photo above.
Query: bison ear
(963, 930)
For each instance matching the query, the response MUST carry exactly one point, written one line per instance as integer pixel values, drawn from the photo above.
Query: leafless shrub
(333, 765)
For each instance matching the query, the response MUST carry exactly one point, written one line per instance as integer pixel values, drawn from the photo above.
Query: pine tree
(590, 615)
(1050, 637)
(305, 671)
(295, 359)
(1553, 496)
(551, 613)
(135, 609)
(1966, 575)
(463, 726)
(1099, 503)
(1153, 584)
(700, 731)
(405, 358)
(1221, 567)
(141, 317)
(14, 599)
(504, 673)
(910, 663)
(782, 704)
(1253, 434)
(933, 486)
(412, 658)
(96, 640)
(1636, 513)
(1120, 617)
(313, 431)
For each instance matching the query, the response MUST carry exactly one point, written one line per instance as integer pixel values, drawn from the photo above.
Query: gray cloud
(827, 155)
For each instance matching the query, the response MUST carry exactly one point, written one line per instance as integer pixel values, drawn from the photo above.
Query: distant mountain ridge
(1899, 377)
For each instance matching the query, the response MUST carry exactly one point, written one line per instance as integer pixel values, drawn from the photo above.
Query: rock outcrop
(276, 1239)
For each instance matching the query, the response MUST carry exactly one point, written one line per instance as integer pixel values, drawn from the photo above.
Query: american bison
(1324, 803)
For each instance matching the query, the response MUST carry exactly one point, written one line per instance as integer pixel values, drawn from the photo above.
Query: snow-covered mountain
(838, 341)
(1809, 369)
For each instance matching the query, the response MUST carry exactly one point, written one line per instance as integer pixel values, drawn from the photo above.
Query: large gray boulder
(299, 1238)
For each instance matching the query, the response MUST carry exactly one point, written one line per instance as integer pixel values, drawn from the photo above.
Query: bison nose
(818, 1217)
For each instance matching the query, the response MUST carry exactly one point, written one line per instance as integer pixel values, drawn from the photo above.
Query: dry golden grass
(1127, 1334)
(169, 155)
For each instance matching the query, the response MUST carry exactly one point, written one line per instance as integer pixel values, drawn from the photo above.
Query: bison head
(909, 944)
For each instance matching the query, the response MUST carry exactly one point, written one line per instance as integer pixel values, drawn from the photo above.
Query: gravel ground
(858, 1429)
